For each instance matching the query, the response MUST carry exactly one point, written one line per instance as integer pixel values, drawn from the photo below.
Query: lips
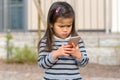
(65, 35)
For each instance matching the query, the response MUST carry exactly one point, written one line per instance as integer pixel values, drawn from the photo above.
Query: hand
(75, 51)
(64, 50)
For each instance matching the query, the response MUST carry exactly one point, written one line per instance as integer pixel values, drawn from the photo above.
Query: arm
(45, 59)
(84, 59)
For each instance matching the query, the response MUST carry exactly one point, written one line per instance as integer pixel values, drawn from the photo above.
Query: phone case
(74, 40)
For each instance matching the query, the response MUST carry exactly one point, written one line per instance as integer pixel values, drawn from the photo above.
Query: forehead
(64, 20)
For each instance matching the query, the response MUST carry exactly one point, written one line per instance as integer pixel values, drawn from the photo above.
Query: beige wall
(116, 16)
(90, 14)
(32, 16)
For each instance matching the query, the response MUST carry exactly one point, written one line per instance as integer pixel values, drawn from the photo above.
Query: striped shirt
(64, 67)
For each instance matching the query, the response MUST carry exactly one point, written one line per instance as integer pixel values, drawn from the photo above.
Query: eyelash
(67, 26)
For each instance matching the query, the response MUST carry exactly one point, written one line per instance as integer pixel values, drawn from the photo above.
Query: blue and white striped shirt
(64, 67)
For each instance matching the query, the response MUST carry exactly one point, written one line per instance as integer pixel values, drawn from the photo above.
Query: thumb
(66, 54)
(73, 45)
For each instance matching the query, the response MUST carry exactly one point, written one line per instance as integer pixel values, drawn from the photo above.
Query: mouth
(65, 35)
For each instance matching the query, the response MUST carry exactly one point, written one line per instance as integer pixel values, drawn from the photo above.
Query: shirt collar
(57, 38)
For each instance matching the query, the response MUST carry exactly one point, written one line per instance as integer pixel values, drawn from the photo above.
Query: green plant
(9, 36)
(24, 54)
(118, 46)
(19, 54)
(8, 44)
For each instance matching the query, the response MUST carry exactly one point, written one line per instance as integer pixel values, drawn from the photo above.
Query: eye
(61, 26)
(69, 25)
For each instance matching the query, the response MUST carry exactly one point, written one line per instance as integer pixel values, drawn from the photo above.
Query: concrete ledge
(105, 56)
(101, 49)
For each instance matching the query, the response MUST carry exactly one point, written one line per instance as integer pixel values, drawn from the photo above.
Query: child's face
(62, 27)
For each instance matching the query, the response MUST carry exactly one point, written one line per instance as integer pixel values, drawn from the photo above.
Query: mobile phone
(74, 39)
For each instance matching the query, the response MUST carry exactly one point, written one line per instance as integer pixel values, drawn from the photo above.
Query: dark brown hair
(57, 9)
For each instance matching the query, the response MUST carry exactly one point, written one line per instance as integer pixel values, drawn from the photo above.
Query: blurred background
(23, 23)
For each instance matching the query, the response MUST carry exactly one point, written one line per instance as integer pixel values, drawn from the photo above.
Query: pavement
(15, 75)
(33, 72)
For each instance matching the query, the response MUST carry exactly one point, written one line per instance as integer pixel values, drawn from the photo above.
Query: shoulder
(42, 41)
(81, 41)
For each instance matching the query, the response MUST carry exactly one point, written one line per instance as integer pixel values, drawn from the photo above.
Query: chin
(65, 37)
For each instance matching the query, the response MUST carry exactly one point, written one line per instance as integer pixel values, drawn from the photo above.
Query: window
(16, 15)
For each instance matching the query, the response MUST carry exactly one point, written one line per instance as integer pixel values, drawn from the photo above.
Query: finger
(63, 45)
(68, 52)
(73, 45)
(68, 49)
(67, 46)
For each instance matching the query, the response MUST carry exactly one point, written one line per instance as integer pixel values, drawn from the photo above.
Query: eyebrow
(64, 24)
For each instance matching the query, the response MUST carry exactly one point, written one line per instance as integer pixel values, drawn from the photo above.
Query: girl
(61, 60)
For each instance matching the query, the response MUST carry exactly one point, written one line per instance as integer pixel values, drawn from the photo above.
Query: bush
(24, 54)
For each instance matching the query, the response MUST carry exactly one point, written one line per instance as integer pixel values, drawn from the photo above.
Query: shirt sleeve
(45, 59)
(84, 60)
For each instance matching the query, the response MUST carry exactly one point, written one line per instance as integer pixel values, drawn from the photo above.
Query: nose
(65, 29)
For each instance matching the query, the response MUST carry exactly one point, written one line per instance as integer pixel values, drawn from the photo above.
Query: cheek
(70, 29)
(55, 29)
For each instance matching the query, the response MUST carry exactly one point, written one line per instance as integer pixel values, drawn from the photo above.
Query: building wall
(90, 14)
(1, 14)
(11, 15)
(115, 16)
(32, 15)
